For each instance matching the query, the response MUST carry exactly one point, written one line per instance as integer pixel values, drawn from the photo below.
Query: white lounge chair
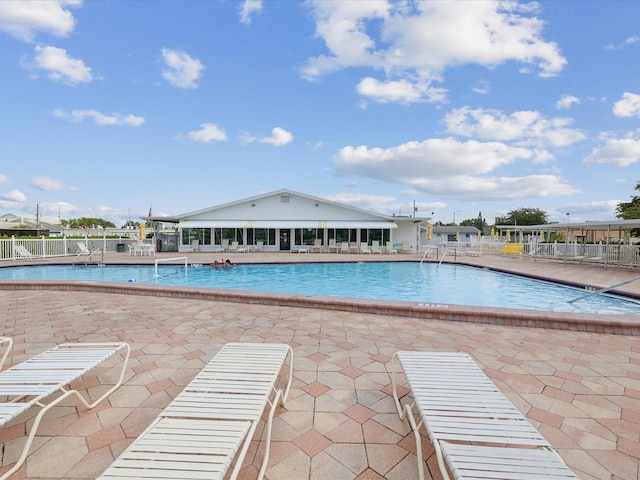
(333, 246)
(213, 420)
(364, 248)
(84, 250)
(475, 430)
(375, 246)
(344, 247)
(317, 246)
(30, 383)
(21, 251)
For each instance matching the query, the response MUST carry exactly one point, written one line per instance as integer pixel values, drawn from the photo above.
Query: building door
(285, 240)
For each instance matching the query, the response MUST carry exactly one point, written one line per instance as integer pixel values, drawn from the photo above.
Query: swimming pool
(404, 281)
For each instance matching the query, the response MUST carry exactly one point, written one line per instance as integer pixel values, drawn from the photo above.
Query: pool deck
(580, 388)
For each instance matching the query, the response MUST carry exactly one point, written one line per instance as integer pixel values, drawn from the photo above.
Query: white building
(286, 221)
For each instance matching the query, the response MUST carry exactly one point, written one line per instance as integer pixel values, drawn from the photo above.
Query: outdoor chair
(30, 384)
(475, 430)
(212, 421)
(22, 252)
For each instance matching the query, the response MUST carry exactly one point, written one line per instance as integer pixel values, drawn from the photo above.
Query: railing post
(13, 247)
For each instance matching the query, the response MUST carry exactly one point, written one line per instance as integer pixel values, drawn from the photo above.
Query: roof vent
(285, 198)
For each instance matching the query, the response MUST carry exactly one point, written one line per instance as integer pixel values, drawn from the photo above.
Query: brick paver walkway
(582, 390)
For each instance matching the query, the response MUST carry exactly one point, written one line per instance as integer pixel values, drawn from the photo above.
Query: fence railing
(611, 254)
(17, 248)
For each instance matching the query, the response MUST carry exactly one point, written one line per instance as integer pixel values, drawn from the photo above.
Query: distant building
(453, 233)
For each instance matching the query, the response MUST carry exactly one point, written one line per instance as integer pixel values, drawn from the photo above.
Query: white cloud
(4, 178)
(481, 87)
(278, 138)
(384, 204)
(100, 118)
(181, 70)
(14, 196)
(583, 212)
(450, 168)
(418, 41)
(496, 188)
(25, 18)
(401, 91)
(627, 106)
(59, 66)
(46, 183)
(207, 133)
(615, 151)
(567, 101)
(522, 128)
(248, 8)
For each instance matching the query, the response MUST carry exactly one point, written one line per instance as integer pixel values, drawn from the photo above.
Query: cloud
(586, 211)
(385, 204)
(4, 178)
(278, 138)
(46, 183)
(629, 41)
(615, 151)
(100, 118)
(450, 168)
(567, 101)
(248, 8)
(59, 66)
(414, 43)
(523, 128)
(25, 18)
(627, 106)
(14, 196)
(401, 91)
(181, 70)
(207, 133)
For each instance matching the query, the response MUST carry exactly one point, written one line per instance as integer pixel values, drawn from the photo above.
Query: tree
(524, 216)
(629, 210)
(478, 222)
(86, 222)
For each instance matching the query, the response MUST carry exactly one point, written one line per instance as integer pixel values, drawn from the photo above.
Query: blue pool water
(427, 283)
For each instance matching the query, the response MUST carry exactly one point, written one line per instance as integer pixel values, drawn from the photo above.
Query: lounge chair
(344, 247)
(364, 248)
(317, 246)
(375, 246)
(30, 383)
(476, 432)
(213, 420)
(390, 248)
(21, 251)
(333, 246)
(234, 246)
(84, 250)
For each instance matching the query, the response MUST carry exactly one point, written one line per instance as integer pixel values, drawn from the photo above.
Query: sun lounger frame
(211, 423)
(475, 430)
(29, 384)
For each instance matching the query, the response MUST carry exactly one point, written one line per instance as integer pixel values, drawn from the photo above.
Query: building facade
(285, 220)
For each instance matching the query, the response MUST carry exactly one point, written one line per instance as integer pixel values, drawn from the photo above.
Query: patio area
(580, 389)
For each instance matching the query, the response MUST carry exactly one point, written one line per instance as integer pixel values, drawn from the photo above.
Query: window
(305, 236)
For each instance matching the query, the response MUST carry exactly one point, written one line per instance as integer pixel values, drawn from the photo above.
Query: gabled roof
(285, 191)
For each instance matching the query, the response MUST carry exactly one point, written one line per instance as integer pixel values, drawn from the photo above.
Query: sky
(110, 109)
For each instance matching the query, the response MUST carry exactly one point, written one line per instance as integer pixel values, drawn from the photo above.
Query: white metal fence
(611, 254)
(14, 248)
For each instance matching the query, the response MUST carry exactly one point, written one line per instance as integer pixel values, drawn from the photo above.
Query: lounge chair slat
(476, 431)
(212, 421)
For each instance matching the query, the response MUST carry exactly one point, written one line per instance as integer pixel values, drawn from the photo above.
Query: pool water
(425, 283)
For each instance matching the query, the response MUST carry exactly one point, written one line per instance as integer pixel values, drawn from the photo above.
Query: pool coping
(579, 322)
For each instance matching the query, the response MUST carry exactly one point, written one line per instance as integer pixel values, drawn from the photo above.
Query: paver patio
(580, 389)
